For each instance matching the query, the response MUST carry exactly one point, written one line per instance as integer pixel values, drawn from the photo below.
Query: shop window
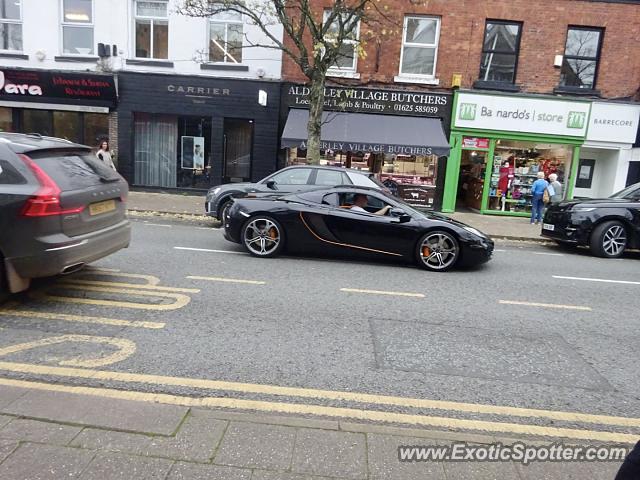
(96, 128)
(67, 125)
(6, 119)
(155, 150)
(238, 149)
(420, 46)
(581, 57)
(152, 29)
(37, 121)
(348, 55)
(500, 51)
(225, 38)
(195, 160)
(77, 27)
(10, 25)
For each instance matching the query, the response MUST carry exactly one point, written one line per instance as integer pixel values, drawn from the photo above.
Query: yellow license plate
(102, 207)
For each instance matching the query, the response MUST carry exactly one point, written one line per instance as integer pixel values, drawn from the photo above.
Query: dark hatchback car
(288, 180)
(60, 208)
(608, 226)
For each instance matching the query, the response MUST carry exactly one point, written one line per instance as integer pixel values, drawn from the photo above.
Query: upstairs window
(581, 57)
(347, 59)
(77, 27)
(10, 25)
(420, 46)
(225, 37)
(152, 29)
(500, 51)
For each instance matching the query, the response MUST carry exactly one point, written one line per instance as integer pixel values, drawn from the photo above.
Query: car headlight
(475, 231)
(584, 209)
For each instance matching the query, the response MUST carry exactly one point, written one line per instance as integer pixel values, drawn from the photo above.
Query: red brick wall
(544, 33)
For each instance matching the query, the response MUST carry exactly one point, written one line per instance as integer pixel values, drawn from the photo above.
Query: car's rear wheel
(263, 236)
(438, 251)
(609, 239)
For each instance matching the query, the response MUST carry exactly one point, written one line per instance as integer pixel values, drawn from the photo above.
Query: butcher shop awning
(364, 132)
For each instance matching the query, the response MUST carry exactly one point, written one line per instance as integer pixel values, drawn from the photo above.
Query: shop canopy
(364, 132)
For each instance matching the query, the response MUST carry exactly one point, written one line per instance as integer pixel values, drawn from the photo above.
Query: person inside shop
(104, 154)
(360, 201)
(555, 188)
(537, 203)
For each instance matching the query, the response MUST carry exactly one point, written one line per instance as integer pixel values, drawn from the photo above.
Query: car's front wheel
(263, 236)
(609, 239)
(224, 209)
(437, 251)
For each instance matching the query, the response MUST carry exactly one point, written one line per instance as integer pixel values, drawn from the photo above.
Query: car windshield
(632, 191)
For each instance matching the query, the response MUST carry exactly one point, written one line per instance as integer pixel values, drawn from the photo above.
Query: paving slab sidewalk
(175, 442)
(511, 228)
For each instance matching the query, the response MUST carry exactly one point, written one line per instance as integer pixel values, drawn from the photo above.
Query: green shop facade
(499, 144)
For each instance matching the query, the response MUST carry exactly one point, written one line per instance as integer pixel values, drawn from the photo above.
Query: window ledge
(149, 63)
(16, 55)
(577, 91)
(75, 58)
(343, 74)
(416, 79)
(501, 86)
(235, 67)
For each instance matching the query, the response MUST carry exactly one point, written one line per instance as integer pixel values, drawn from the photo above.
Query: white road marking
(381, 292)
(500, 250)
(545, 305)
(158, 225)
(227, 280)
(550, 254)
(209, 250)
(603, 280)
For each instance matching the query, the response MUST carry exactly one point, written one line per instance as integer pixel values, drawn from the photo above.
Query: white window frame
(349, 72)
(137, 17)
(226, 23)
(415, 77)
(14, 21)
(87, 25)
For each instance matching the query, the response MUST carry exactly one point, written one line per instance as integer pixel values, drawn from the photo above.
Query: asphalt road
(478, 336)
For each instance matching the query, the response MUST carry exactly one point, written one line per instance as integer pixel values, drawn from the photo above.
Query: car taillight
(46, 201)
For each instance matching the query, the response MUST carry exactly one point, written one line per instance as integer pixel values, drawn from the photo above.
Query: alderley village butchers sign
(370, 100)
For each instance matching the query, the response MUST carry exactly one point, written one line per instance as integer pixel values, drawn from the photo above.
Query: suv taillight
(46, 201)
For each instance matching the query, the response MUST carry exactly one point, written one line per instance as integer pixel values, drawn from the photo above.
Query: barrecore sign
(371, 100)
(521, 114)
(613, 122)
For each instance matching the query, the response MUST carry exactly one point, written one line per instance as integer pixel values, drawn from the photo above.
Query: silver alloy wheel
(614, 240)
(262, 237)
(438, 251)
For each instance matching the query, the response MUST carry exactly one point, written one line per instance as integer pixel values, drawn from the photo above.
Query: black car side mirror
(271, 184)
(400, 214)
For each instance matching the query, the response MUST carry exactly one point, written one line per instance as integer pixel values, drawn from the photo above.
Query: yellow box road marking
(81, 318)
(227, 280)
(125, 347)
(369, 415)
(150, 279)
(365, 398)
(545, 305)
(382, 292)
(136, 286)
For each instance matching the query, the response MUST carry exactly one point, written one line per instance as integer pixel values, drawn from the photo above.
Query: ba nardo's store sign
(371, 100)
(57, 87)
(521, 114)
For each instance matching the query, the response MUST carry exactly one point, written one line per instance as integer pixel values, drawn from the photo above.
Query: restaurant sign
(57, 87)
(371, 100)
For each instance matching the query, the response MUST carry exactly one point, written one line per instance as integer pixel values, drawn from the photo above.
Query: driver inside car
(360, 201)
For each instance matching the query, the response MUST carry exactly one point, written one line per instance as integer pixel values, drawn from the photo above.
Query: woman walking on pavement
(537, 204)
(556, 187)
(104, 154)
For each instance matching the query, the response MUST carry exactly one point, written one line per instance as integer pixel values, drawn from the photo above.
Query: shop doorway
(238, 150)
(194, 152)
(633, 176)
(473, 166)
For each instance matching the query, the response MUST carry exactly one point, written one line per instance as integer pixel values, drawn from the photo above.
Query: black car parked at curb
(288, 180)
(60, 208)
(339, 221)
(607, 226)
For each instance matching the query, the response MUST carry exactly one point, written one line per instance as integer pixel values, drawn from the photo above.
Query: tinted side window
(293, 176)
(331, 178)
(72, 171)
(9, 175)
(362, 180)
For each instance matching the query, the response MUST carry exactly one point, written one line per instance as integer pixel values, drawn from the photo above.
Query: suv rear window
(74, 170)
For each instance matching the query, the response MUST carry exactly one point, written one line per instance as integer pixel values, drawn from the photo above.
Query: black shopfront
(191, 132)
(71, 105)
(399, 135)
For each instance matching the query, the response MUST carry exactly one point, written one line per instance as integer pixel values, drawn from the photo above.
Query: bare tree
(315, 39)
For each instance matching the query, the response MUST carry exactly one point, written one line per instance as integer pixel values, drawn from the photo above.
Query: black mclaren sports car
(348, 220)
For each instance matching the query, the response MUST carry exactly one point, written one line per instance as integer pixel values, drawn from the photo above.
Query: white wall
(607, 171)
(113, 24)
